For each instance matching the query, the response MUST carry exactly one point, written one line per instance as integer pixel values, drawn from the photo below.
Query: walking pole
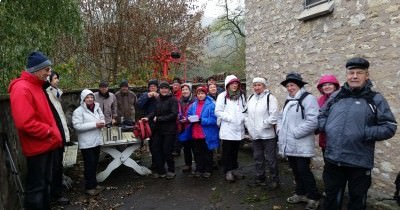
(15, 174)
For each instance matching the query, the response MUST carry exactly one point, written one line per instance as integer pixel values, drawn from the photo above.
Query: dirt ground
(128, 190)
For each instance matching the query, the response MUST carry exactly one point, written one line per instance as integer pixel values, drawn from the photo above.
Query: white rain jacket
(259, 121)
(84, 122)
(230, 114)
(296, 135)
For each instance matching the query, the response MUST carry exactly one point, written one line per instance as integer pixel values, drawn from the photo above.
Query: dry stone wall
(278, 43)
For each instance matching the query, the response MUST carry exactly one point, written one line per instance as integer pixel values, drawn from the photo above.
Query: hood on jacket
(85, 93)
(230, 79)
(327, 78)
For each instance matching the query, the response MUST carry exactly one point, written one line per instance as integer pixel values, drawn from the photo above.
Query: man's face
(43, 74)
(176, 87)
(152, 88)
(211, 81)
(258, 87)
(54, 81)
(103, 89)
(124, 89)
(356, 78)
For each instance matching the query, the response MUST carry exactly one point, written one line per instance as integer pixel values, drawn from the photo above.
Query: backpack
(252, 96)
(299, 104)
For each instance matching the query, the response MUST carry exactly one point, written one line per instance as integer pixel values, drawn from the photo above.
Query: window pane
(314, 2)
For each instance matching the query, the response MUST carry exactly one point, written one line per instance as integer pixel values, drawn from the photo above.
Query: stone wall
(278, 43)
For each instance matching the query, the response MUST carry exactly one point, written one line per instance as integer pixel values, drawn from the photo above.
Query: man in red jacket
(37, 129)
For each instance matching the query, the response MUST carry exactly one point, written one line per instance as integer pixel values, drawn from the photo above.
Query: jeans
(230, 149)
(203, 156)
(90, 161)
(305, 181)
(336, 178)
(38, 180)
(264, 151)
(162, 147)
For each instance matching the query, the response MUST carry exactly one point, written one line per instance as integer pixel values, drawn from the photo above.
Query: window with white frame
(315, 8)
(312, 3)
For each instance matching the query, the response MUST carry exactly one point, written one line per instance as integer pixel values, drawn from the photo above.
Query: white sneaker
(312, 205)
(297, 199)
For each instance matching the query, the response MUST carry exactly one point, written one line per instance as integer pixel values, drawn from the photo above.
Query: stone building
(315, 37)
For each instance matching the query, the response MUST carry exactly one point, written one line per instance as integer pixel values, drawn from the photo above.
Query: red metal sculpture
(165, 53)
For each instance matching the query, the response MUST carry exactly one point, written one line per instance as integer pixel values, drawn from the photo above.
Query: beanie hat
(152, 82)
(124, 83)
(202, 88)
(103, 83)
(260, 80)
(164, 84)
(189, 85)
(37, 61)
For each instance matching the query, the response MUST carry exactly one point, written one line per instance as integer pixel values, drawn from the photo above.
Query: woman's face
(54, 81)
(89, 99)
(212, 89)
(201, 95)
(328, 88)
(292, 88)
(185, 91)
(233, 86)
(258, 87)
(164, 91)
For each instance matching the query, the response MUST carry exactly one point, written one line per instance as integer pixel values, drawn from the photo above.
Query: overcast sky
(214, 9)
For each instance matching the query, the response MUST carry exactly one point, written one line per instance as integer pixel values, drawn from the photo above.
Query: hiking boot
(312, 205)
(238, 174)
(186, 169)
(62, 201)
(170, 175)
(92, 192)
(100, 188)
(176, 154)
(156, 176)
(206, 175)
(297, 199)
(196, 174)
(274, 185)
(256, 182)
(229, 177)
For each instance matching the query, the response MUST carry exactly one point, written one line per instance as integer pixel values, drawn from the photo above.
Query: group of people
(349, 119)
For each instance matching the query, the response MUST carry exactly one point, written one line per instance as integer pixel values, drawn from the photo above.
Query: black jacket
(166, 114)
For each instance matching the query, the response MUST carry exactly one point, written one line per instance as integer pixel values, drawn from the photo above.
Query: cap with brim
(295, 78)
(357, 63)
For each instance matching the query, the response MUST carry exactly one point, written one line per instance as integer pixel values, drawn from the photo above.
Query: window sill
(316, 11)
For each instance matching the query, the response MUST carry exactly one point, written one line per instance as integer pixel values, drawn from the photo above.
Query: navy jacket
(352, 127)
